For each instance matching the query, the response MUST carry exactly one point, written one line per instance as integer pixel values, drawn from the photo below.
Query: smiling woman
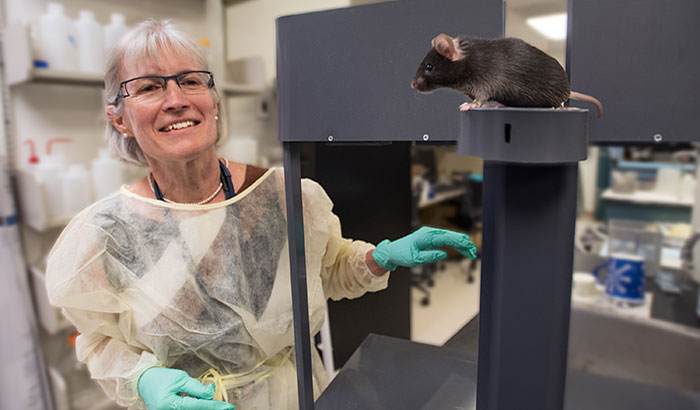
(185, 273)
(140, 50)
(166, 113)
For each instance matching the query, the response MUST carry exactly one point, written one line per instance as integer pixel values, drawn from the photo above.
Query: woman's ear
(115, 119)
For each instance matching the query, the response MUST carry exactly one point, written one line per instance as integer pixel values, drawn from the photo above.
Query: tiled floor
(453, 303)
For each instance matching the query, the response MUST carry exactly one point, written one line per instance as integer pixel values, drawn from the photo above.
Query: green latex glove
(418, 248)
(162, 389)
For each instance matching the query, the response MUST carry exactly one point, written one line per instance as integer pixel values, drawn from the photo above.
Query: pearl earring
(216, 118)
(125, 135)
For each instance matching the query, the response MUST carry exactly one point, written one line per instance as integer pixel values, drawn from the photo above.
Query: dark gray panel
(386, 373)
(392, 374)
(524, 135)
(641, 59)
(384, 172)
(346, 72)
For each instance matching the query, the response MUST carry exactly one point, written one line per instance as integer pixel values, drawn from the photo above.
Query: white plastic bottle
(107, 174)
(49, 171)
(115, 30)
(90, 43)
(58, 46)
(77, 193)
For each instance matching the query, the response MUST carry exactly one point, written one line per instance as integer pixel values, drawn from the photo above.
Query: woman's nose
(173, 97)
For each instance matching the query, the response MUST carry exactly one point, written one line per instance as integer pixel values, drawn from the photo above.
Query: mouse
(506, 70)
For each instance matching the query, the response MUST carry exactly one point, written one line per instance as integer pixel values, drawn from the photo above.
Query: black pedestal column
(530, 187)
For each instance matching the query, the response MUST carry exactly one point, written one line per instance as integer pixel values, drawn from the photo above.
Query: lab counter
(677, 308)
(393, 374)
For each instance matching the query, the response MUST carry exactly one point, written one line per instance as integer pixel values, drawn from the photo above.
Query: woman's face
(150, 120)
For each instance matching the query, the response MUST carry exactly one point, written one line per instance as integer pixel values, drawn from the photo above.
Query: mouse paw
(468, 106)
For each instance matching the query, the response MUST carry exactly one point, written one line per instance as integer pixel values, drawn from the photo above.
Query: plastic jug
(107, 174)
(90, 43)
(114, 31)
(49, 171)
(77, 193)
(58, 46)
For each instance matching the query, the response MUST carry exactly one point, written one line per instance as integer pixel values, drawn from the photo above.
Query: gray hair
(143, 43)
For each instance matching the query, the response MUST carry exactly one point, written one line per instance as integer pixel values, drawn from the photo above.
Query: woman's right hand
(172, 389)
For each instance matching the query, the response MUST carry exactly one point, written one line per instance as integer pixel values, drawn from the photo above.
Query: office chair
(421, 276)
(469, 213)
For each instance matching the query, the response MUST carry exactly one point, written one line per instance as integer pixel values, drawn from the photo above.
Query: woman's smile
(179, 126)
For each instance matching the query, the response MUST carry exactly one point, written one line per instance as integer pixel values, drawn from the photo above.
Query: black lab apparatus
(358, 93)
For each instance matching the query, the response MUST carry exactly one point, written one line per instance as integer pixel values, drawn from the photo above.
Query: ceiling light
(552, 26)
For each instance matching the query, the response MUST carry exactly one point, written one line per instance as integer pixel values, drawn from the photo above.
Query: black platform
(394, 374)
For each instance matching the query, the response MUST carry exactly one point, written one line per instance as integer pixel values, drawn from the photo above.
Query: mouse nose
(416, 84)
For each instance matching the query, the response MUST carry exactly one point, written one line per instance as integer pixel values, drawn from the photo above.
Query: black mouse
(506, 70)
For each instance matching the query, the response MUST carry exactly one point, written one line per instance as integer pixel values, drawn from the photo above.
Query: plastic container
(668, 182)
(90, 43)
(114, 31)
(33, 159)
(637, 238)
(107, 174)
(58, 46)
(77, 193)
(687, 187)
(48, 172)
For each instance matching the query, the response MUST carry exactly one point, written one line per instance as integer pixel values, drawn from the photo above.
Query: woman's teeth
(179, 125)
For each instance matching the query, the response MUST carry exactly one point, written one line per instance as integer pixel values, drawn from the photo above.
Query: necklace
(202, 202)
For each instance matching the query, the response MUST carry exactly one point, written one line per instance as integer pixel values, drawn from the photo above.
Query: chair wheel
(425, 301)
(431, 283)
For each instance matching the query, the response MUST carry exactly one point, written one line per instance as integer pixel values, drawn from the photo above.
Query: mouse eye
(428, 68)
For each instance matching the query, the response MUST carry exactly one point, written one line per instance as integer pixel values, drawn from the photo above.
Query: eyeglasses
(151, 87)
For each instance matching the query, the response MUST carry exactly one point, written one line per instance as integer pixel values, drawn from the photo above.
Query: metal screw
(330, 138)
(426, 137)
(658, 137)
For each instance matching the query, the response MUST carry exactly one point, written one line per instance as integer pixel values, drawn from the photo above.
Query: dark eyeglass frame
(165, 78)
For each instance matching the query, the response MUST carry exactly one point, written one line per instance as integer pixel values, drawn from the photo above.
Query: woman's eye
(147, 88)
(428, 68)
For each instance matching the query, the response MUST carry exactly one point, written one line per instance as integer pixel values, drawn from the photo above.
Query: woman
(185, 273)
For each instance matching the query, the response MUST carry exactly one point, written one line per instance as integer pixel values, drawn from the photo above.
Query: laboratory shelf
(19, 67)
(648, 198)
(45, 75)
(239, 89)
(48, 76)
(654, 166)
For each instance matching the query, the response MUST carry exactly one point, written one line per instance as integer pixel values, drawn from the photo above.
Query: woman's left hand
(419, 247)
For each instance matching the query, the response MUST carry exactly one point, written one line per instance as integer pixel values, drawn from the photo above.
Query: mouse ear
(445, 45)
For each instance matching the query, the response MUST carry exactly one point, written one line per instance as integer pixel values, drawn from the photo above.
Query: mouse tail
(587, 98)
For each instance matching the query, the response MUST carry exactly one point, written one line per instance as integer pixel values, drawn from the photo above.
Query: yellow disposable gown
(148, 284)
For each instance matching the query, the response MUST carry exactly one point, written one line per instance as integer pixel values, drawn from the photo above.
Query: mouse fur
(506, 70)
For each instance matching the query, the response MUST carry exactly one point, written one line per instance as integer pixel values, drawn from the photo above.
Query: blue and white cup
(624, 280)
